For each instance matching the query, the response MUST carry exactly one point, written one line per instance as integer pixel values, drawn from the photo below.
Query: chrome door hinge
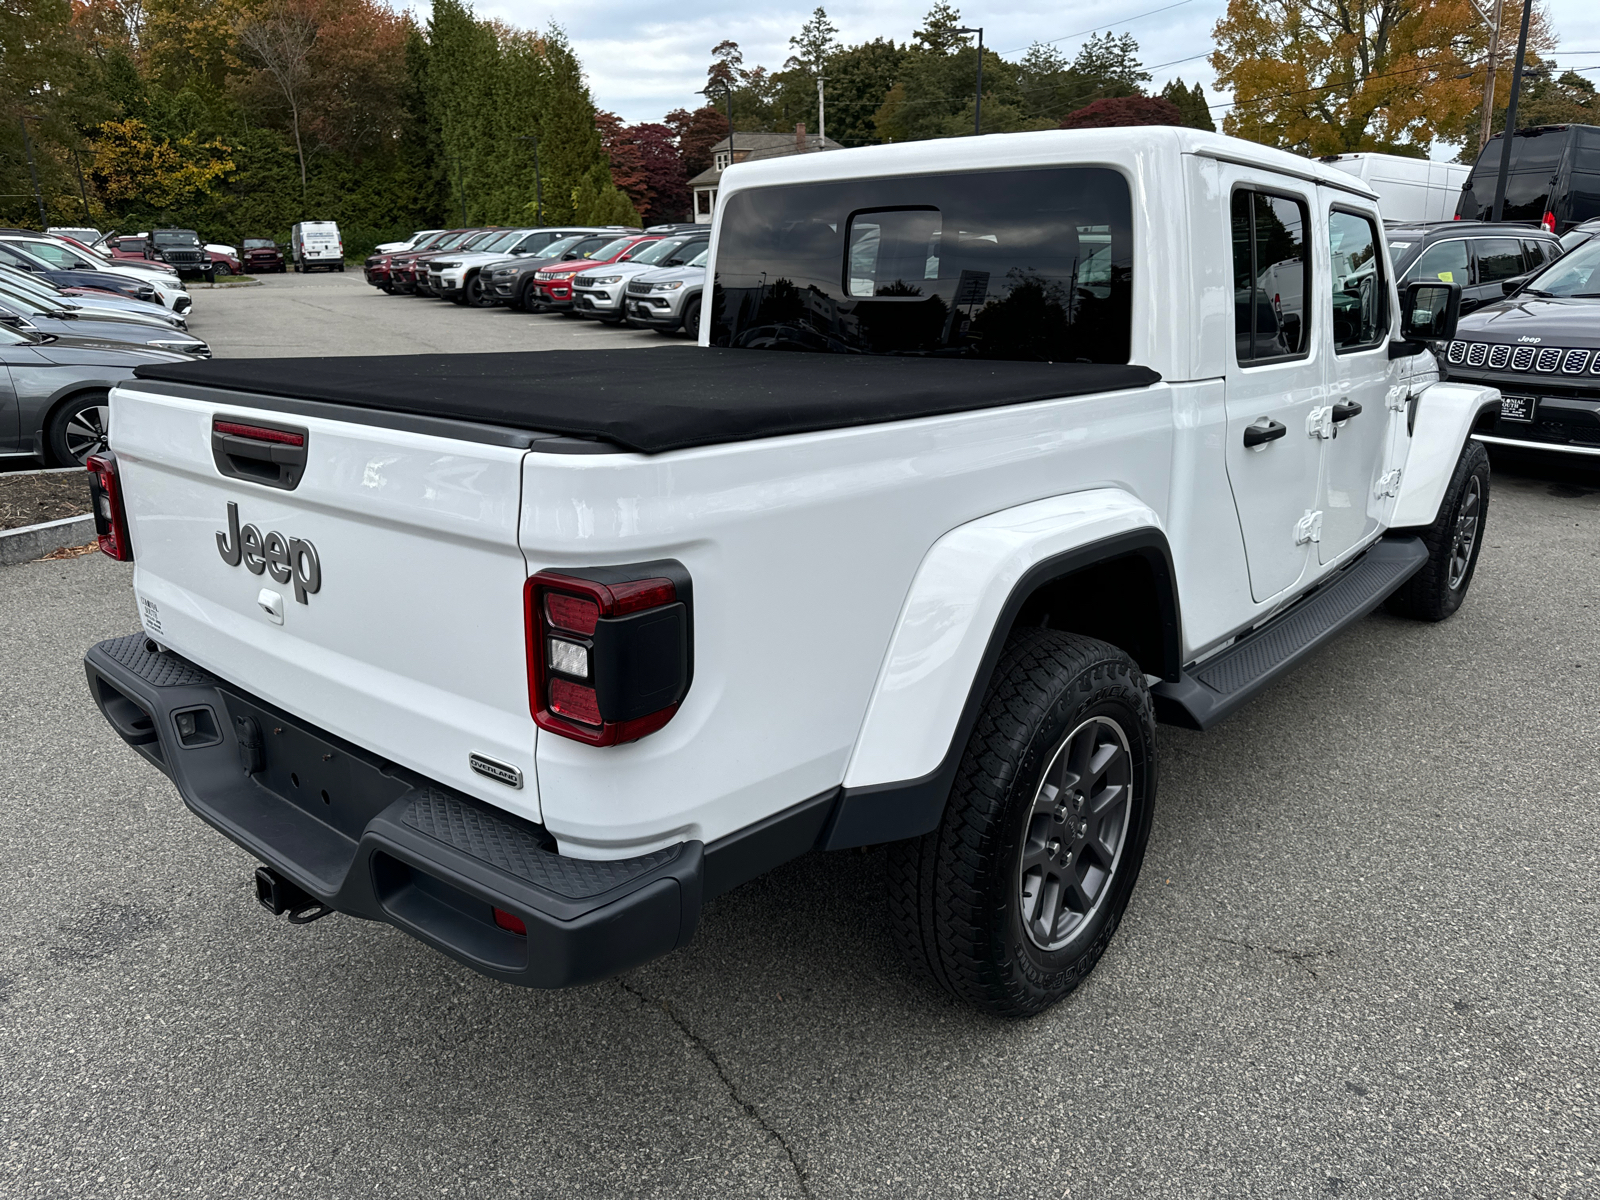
(1319, 422)
(1308, 528)
(1389, 484)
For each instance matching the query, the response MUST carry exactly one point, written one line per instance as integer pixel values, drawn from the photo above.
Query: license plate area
(1518, 408)
(332, 781)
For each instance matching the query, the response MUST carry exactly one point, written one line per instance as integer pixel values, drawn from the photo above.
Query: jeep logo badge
(282, 558)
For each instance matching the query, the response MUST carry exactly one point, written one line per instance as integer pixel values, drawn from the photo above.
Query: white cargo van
(316, 244)
(1409, 189)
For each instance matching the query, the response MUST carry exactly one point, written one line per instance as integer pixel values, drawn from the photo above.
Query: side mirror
(1429, 311)
(1514, 284)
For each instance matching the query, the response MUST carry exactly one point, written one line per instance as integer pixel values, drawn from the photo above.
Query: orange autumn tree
(1335, 76)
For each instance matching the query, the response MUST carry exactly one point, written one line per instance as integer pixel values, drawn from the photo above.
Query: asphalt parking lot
(1362, 959)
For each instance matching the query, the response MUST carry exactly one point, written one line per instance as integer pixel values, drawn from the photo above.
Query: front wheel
(77, 430)
(222, 268)
(1011, 901)
(691, 320)
(1453, 541)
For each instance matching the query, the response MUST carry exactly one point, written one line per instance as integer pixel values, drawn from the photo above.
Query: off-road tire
(1432, 594)
(954, 894)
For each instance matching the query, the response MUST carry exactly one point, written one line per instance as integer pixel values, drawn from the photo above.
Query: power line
(1103, 25)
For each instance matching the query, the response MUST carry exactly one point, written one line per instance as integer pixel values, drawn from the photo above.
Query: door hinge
(1308, 528)
(1319, 422)
(1389, 484)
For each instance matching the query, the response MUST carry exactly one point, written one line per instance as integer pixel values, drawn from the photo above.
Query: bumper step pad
(1205, 694)
(390, 845)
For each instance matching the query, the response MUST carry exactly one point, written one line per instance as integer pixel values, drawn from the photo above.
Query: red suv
(551, 290)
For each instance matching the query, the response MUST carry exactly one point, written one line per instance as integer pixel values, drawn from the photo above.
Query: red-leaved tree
(663, 172)
(697, 132)
(627, 161)
(1124, 110)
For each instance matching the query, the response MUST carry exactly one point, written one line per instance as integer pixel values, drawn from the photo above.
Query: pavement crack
(710, 1055)
(1299, 958)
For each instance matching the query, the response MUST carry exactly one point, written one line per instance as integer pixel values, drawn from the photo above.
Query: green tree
(597, 201)
(859, 79)
(1191, 103)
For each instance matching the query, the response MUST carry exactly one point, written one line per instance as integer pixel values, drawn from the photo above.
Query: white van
(1409, 189)
(316, 244)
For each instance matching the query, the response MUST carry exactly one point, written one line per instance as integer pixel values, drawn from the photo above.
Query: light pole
(538, 186)
(1511, 115)
(977, 110)
(44, 220)
(822, 119)
(727, 89)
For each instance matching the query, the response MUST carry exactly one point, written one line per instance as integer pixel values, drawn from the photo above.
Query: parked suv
(263, 257)
(513, 280)
(1554, 179)
(668, 300)
(552, 285)
(465, 278)
(1541, 347)
(181, 250)
(601, 293)
(1479, 255)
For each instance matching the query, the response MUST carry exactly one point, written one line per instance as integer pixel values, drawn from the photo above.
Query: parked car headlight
(603, 280)
(667, 287)
(544, 274)
(446, 266)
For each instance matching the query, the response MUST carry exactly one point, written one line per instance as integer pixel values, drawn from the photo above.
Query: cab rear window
(1028, 265)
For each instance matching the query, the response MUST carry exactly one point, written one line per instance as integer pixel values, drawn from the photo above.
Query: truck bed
(668, 399)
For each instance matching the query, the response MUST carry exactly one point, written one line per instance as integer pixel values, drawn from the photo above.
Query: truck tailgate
(411, 643)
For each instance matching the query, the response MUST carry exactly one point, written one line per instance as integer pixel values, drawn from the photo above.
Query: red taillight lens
(571, 613)
(1549, 221)
(609, 657)
(510, 922)
(574, 702)
(110, 517)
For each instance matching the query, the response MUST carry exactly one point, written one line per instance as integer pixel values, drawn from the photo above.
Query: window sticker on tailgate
(150, 615)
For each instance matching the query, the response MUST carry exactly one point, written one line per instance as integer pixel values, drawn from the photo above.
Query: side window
(1498, 258)
(1444, 261)
(892, 253)
(1360, 291)
(1271, 276)
(1536, 254)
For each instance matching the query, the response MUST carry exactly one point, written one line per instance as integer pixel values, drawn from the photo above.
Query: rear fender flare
(1445, 415)
(952, 628)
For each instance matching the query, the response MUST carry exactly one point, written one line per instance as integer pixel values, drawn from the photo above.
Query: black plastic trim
(1210, 691)
(756, 849)
(889, 812)
(364, 837)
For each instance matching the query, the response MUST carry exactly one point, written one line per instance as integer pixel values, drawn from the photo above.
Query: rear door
(1275, 375)
(411, 642)
(1354, 430)
(1498, 259)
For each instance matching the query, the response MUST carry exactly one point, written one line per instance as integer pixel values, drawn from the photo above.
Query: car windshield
(502, 241)
(1578, 274)
(472, 240)
(260, 244)
(19, 301)
(610, 250)
(557, 249)
(660, 251)
(176, 237)
(17, 254)
(14, 337)
(28, 285)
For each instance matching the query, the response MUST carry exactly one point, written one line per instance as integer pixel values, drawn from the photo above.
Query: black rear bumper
(373, 840)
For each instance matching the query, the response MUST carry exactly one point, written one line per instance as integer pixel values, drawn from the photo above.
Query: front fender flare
(1446, 413)
(950, 633)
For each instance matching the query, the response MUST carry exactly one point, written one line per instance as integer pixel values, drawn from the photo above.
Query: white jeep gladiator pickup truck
(530, 655)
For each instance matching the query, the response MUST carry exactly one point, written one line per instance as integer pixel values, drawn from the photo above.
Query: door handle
(1344, 410)
(1260, 435)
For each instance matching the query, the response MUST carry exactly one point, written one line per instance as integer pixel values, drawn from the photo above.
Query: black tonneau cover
(658, 400)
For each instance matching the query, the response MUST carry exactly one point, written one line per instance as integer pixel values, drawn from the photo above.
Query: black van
(1554, 180)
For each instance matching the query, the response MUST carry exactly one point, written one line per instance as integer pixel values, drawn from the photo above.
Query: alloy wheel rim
(1074, 833)
(1465, 535)
(85, 432)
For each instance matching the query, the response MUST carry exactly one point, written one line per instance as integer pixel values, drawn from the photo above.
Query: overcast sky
(641, 64)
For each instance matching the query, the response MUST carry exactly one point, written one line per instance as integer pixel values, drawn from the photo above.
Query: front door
(1356, 421)
(1274, 381)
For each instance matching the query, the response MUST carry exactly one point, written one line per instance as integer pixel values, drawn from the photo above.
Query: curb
(35, 541)
(211, 287)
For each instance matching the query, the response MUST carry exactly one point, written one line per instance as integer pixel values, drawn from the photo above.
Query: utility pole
(822, 119)
(977, 109)
(1486, 126)
(44, 220)
(538, 186)
(1511, 115)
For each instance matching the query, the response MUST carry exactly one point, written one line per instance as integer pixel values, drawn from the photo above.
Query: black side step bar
(1203, 695)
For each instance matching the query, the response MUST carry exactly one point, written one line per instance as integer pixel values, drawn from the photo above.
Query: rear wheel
(1009, 904)
(77, 429)
(1453, 541)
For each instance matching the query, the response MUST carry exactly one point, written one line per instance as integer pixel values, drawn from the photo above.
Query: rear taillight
(110, 517)
(1549, 222)
(610, 652)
